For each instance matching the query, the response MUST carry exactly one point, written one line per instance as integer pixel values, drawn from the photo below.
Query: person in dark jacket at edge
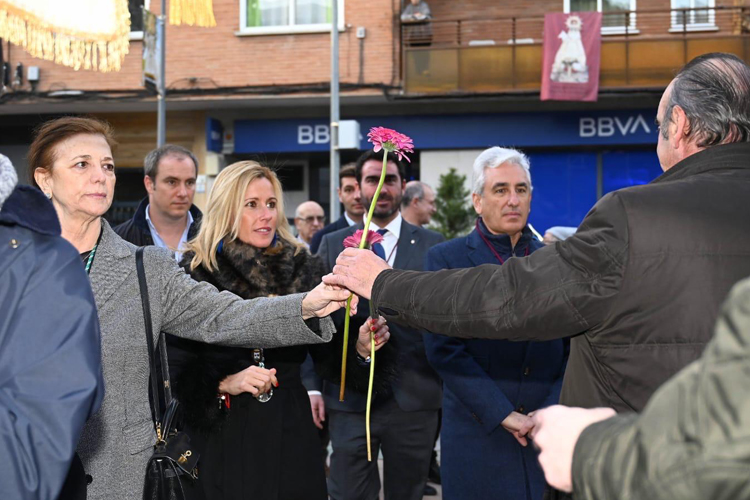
(489, 386)
(50, 369)
(167, 217)
(639, 285)
(690, 442)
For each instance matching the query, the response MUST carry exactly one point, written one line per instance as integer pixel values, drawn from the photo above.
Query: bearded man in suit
(405, 408)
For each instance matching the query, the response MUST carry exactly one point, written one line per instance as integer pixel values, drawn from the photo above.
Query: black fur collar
(252, 272)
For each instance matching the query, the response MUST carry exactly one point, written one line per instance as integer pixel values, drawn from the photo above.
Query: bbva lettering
(308, 134)
(607, 126)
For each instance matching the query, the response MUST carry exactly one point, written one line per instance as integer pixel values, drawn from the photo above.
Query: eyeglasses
(313, 218)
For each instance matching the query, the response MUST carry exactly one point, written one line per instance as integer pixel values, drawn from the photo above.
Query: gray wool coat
(117, 441)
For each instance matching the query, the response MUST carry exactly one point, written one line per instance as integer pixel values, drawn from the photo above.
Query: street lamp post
(161, 117)
(335, 159)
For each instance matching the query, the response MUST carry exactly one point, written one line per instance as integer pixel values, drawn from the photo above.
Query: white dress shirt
(299, 239)
(159, 242)
(349, 220)
(390, 239)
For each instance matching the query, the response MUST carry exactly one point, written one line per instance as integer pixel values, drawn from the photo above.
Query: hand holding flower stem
(359, 240)
(386, 140)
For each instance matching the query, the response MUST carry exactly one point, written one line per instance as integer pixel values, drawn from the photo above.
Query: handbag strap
(150, 340)
(165, 369)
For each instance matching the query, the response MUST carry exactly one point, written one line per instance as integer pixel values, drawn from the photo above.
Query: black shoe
(434, 473)
(429, 491)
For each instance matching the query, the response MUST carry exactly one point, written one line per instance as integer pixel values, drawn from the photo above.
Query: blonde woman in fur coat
(253, 444)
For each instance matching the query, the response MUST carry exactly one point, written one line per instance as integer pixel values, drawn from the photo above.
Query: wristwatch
(361, 359)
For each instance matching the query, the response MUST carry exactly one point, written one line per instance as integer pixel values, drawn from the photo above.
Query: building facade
(256, 87)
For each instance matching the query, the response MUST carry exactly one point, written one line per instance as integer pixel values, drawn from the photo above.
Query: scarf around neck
(252, 272)
(501, 242)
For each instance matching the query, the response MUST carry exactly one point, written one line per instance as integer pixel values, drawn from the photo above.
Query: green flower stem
(346, 344)
(369, 395)
(362, 244)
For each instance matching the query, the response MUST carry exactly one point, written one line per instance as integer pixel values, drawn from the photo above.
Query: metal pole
(335, 159)
(161, 117)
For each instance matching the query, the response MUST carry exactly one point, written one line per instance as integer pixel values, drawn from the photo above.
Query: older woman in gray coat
(72, 162)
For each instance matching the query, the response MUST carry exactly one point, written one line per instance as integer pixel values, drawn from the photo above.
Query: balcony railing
(640, 49)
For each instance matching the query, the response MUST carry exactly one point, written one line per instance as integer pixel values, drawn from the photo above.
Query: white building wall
(435, 163)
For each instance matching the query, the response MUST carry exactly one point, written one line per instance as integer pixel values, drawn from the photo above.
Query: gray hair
(414, 190)
(493, 158)
(151, 162)
(714, 91)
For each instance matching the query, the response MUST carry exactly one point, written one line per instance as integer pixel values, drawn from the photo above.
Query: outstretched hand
(326, 298)
(357, 270)
(556, 431)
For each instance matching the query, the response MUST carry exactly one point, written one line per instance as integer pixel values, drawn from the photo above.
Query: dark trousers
(406, 440)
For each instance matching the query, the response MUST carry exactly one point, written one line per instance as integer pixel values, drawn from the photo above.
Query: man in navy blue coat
(490, 386)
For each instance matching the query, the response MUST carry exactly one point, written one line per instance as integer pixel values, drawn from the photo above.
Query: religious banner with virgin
(572, 52)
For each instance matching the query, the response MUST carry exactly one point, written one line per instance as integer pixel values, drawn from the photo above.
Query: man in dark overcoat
(490, 386)
(639, 285)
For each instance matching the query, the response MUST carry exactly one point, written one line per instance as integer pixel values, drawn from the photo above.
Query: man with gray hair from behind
(638, 288)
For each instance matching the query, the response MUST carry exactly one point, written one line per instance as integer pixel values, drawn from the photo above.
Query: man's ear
(149, 183)
(681, 125)
(477, 202)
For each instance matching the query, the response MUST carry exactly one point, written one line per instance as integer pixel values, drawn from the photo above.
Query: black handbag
(171, 470)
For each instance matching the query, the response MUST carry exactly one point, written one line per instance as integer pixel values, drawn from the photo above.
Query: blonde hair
(223, 216)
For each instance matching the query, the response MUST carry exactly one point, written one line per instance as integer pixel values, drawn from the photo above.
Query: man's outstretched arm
(557, 291)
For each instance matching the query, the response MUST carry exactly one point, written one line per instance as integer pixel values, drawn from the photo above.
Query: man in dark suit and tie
(404, 415)
(349, 196)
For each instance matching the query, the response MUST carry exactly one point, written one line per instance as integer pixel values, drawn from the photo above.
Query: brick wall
(218, 57)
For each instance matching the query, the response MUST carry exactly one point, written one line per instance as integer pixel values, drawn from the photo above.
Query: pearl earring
(48, 195)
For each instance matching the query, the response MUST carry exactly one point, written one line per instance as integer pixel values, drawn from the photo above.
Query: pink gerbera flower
(392, 141)
(354, 240)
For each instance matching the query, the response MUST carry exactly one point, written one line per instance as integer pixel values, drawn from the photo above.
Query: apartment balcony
(640, 49)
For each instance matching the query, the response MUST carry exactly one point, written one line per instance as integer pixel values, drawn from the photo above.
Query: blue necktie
(377, 247)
